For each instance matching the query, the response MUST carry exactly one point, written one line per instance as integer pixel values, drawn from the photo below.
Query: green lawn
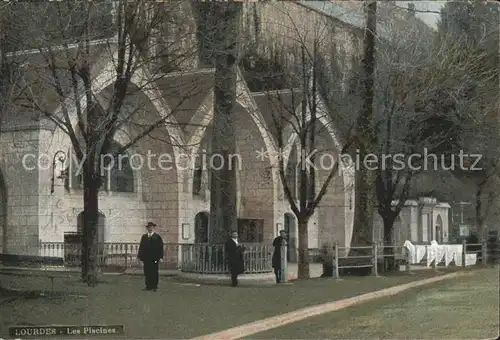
(177, 310)
(461, 308)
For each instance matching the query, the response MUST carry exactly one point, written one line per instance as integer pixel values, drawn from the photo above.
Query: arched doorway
(201, 227)
(291, 231)
(438, 233)
(3, 214)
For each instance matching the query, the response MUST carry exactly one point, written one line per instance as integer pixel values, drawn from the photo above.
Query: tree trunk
(91, 183)
(84, 252)
(365, 178)
(303, 262)
(365, 200)
(223, 209)
(389, 256)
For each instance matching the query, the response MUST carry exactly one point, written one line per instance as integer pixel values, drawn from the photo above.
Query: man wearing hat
(235, 258)
(150, 253)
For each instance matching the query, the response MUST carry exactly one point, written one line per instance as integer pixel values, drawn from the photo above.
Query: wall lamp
(64, 173)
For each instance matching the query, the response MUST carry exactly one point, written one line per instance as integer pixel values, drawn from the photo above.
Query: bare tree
(410, 125)
(473, 27)
(415, 83)
(296, 101)
(307, 123)
(433, 96)
(76, 37)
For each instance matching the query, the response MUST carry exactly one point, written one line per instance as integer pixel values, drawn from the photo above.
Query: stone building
(175, 197)
(420, 221)
(38, 204)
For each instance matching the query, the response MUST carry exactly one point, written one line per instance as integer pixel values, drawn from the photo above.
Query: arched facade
(334, 217)
(255, 179)
(171, 197)
(136, 193)
(133, 191)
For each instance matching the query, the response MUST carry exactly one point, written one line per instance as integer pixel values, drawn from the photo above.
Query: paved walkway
(316, 270)
(178, 310)
(284, 319)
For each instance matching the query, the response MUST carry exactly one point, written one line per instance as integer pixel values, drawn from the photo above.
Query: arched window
(75, 178)
(120, 177)
(197, 176)
(201, 175)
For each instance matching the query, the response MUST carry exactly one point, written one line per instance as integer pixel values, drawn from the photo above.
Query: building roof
(184, 92)
(36, 91)
(273, 104)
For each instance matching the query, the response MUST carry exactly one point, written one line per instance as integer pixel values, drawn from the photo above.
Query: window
(121, 175)
(74, 180)
(201, 175)
(120, 178)
(197, 175)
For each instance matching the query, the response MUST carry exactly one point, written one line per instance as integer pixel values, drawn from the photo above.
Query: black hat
(150, 224)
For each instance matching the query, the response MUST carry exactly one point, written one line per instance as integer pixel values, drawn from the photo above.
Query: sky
(430, 19)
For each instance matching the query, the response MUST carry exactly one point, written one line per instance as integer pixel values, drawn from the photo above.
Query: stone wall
(155, 197)
(20, 229)
(255, 177)
(331, 211)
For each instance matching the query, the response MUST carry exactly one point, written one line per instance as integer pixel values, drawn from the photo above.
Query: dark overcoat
(151, 248)
(235, 258)
(276, 261)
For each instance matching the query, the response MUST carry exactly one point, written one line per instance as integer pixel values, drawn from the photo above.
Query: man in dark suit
(234, 252)
(276, 262)
(151, 253)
